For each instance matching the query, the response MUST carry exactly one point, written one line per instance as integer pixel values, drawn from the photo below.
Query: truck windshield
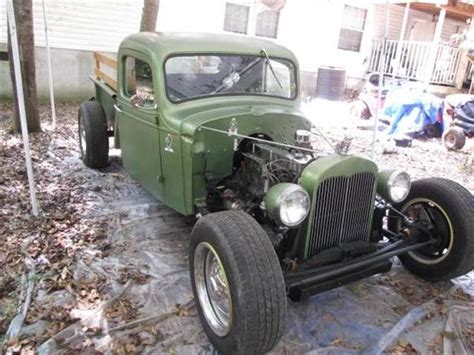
(195, 76)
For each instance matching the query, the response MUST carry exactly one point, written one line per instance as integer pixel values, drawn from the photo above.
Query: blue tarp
(409, 111)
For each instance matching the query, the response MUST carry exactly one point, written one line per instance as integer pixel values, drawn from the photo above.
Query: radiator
(343, 208)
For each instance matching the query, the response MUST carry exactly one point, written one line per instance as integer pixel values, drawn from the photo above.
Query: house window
(236, 18)
(267, 24)
(352, 29)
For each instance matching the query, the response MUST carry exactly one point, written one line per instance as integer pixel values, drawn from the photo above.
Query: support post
(50, 70)
(252, 21)
(434, 47)
(464, 61)
(381, 78)
(21, 104)
(403, 30)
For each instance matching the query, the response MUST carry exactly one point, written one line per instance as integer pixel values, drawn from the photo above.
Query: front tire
(93, 136)
(237, 283)
(446, 209)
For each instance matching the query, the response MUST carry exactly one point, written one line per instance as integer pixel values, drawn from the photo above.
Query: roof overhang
(456, 9)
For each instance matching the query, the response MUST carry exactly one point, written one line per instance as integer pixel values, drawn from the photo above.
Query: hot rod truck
(211, 125)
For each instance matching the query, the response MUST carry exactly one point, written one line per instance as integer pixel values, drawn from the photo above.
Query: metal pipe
(433, 51)
(21, 104)
(50, 70)
(381, 73)
(347, 268)
(331, 266)
(401, 38)
(231, 134)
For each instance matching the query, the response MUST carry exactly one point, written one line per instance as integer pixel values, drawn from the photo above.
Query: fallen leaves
(404, 348)
(58, 236)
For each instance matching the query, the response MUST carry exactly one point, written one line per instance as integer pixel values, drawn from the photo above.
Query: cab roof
(161, 45)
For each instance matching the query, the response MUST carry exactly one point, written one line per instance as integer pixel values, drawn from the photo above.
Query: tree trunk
(24, 25)
(149, 15)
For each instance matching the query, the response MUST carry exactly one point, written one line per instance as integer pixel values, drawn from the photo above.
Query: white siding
(83, 25)
(193, 15)
(312, 28)
(451, 27)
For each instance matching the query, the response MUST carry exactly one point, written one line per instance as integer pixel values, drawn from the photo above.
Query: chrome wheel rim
(212, 289)
(424, 208)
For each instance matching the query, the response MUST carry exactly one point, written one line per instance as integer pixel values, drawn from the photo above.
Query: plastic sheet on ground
(149, 243)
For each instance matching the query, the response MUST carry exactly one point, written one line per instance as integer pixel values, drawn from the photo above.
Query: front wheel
(237, 283)
(445, 210)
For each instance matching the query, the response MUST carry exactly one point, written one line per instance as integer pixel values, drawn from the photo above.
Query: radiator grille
(342, 211)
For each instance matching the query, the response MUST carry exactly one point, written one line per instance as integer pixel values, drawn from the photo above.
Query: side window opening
(138, 85)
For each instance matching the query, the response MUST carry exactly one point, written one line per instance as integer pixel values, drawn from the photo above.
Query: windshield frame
(221, 94)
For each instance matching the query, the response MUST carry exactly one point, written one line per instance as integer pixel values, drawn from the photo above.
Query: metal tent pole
(381, 74)
(21, 104)
(433, 54)
(398, 54)
(50, 70)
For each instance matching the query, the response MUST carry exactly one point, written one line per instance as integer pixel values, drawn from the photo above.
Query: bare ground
(111, 262)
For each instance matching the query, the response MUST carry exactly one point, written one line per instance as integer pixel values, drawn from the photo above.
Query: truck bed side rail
(107, 74)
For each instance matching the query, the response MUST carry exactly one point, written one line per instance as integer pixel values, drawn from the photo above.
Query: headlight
(287, 204)
(394, 185)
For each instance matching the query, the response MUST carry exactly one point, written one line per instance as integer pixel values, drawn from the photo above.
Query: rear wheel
(360, 110)
(432, 131)
(93, 136)
(237, 283)
(454, 138)
(444, 210)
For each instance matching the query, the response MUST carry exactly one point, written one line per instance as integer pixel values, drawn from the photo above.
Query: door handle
(117, 108)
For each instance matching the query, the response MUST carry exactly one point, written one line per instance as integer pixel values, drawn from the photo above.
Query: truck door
(138, 119)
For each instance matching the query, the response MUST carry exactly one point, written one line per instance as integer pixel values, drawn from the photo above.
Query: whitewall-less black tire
(93, 136)
(448, 211)
(237, 282)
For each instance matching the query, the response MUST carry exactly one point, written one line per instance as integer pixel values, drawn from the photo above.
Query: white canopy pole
(431, 65)
(21, 104)
(50, 71)
(381, 81)
(398, 56)
(404, 21)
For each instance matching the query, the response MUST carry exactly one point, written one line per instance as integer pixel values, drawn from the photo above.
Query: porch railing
(413, 60)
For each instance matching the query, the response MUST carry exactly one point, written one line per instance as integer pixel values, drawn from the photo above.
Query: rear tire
(449, 207)
(454, 138)
(360, 110)
(432, 131)
(93, 137)
(255, 310)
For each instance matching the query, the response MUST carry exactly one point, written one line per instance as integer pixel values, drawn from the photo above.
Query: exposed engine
(261, 165)
(267, 165)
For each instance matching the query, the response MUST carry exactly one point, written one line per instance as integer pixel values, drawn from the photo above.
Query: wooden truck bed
(105, 83)
(106, 69)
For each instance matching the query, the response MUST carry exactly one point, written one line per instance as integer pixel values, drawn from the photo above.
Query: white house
(337, 33)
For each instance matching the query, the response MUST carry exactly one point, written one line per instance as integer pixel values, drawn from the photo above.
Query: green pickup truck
(211, 126)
